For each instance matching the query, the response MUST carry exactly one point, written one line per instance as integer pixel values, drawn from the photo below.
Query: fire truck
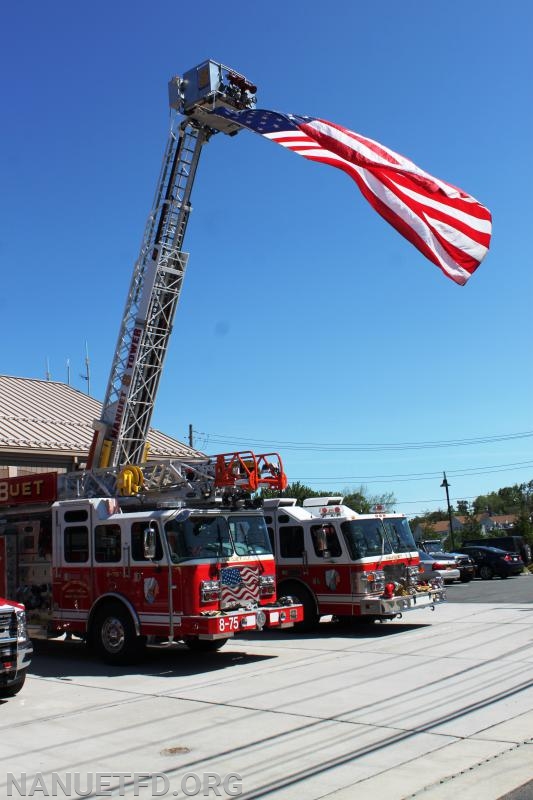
(130, 569)
(355, 567)
(129, 551)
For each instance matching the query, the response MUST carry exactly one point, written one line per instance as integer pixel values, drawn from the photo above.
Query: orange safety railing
(249, 471)
(271, 472)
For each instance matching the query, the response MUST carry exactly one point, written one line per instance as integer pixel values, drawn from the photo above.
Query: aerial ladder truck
(134, 550)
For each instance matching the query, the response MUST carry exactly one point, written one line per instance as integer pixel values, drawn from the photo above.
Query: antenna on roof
(68, 371)
(48, 375)
(87, 376)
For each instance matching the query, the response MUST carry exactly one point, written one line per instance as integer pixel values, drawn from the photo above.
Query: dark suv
(492, 561)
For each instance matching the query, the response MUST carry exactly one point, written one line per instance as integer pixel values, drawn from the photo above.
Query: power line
(361, 446)
(422, 476)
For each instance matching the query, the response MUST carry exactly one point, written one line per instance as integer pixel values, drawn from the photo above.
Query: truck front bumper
(15, 657)
(222, 624)
(24, 654)
(392, 606)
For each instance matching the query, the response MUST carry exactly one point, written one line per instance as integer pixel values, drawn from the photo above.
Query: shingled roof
(49, 418)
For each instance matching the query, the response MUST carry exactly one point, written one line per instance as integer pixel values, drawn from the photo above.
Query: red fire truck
(358, 567)
(129, 551)
(124, 571)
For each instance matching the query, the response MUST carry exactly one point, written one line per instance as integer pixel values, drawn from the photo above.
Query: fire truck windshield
(365, 537)
(217, 537)
(400, 534)
(250, 535)
(198, 537)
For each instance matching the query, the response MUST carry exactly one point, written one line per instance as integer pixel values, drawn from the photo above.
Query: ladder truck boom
(130, 552)
(120, 436)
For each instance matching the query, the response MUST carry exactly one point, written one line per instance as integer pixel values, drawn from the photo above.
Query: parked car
(438, 566)
(511, 543)
(467, 566)
(492, 561)
(465, 563)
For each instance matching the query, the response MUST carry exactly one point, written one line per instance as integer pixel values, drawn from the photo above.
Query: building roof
(442, 526)
(499, 520)
(48, 417)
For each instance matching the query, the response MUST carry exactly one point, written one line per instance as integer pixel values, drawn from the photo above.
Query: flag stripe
(411, 225)
(451, 228)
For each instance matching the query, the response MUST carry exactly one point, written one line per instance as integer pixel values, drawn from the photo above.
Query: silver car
(436, 565)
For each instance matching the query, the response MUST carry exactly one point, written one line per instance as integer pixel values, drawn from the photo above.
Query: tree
(358, 499)
(523, 525)
(428, 518)
(358, 502)
(462, 506)
(491, 503)
(428, 529)
(297, 490)
(363, 503)
(471, 527)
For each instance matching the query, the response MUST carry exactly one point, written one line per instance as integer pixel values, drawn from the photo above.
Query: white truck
(15, 648)
(334, 561)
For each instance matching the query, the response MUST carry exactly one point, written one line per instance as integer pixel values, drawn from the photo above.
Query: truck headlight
(267, 584)
(22, 630)
(209, 591)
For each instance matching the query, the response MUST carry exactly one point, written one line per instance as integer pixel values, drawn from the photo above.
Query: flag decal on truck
(238, 585)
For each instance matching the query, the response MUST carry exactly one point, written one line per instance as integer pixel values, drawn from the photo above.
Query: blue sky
(306, 324)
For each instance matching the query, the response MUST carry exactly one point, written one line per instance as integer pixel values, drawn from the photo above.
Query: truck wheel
(13, 688)
(303, 596)
(114, 636)
(204, 645)
(485, 572)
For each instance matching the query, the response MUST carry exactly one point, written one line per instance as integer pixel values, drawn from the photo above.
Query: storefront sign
(38, 488)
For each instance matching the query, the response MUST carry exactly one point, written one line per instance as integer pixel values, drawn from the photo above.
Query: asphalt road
(435, 706)
(509, 590)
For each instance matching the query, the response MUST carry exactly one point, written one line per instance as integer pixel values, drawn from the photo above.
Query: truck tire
(485, 572)
(114, 637)
(303, 596)
(204, 645)
(13, 688)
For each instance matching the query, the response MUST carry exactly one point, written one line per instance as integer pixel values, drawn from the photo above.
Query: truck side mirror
(149, 541)
(321, 539)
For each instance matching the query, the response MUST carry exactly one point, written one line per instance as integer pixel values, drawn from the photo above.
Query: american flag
(238, 585)
(448, 226)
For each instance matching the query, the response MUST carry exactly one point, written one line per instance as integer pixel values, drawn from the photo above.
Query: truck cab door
(72, 590)
(329, 568)
(148, 583)
(109, 565)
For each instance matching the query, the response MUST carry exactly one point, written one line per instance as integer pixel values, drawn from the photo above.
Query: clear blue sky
(304, 318)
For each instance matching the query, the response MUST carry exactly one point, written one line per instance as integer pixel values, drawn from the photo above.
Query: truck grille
(8, 625)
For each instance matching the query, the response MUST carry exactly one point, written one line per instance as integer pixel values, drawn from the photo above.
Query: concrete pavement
(433, 706)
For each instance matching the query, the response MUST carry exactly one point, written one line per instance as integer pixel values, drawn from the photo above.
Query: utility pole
(87, 376)
(446, 485)
(190, 436)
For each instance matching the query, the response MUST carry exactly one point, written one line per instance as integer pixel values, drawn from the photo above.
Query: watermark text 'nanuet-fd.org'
(116, 784)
